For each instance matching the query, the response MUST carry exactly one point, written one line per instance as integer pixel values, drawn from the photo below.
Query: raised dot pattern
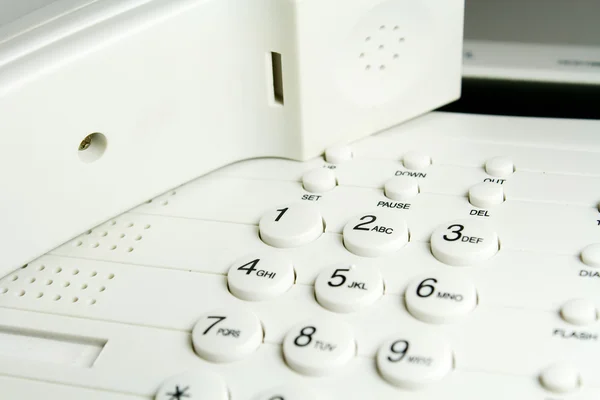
(382, 48)
(57, 284)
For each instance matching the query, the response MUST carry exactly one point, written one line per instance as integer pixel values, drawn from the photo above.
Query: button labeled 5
(348, 288)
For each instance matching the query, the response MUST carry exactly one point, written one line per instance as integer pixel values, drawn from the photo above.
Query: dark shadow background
(554, 100)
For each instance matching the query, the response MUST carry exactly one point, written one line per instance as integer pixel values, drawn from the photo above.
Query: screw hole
(92, 147)
(21, 293)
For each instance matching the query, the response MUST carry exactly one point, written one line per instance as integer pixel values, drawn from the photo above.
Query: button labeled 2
(375, 234)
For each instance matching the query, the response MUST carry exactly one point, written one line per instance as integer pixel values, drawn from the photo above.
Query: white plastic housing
(173, 89)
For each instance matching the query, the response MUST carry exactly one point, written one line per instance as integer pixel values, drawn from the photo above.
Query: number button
(465, 242)
(440, 297)
(261, 277)
(193, 385)
(415, 360)
(373, 235)
(291, 226)
(319, 347)
(227, 335)
(348, 288)
(286, 393)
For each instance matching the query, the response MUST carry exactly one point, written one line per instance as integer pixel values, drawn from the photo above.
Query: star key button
(193, 385)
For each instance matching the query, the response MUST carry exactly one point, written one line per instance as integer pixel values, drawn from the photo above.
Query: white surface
(319, 347)
(151, 273)
(591, 255)
(441, 297)
(416, 161)
(375, 234)
(348, 288)
(401, 188)
(291, 225)
(193, 385)
(414, 361)
(227, 335)
(464, 242)
(319, 180)
(175, 111)
(560, 378)
(486, 194)
(500, 167)
(579, 312)
(259, 278)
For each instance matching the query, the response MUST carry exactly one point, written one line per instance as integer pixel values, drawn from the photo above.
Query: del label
(480, 213)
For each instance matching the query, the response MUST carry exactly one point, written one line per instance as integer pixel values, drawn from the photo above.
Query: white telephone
(452, 256)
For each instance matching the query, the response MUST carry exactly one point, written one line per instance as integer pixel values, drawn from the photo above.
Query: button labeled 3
(464, 242)
(348, 288)
(194, 385)
(227, 335)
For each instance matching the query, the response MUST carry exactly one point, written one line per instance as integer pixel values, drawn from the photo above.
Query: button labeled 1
(415, 360)
(194, 385)
(291, 226)
(464, 242)
(259, 278)
(319, 347)
(348, 288)
(375, 234)
(227, 335)
(440, 297)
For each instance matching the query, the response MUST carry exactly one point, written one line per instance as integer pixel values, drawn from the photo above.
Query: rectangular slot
(49, 348)
(277, 68)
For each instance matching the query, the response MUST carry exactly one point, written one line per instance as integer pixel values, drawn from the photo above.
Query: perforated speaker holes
(55, 284)
(115, 235)
(382, 48)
